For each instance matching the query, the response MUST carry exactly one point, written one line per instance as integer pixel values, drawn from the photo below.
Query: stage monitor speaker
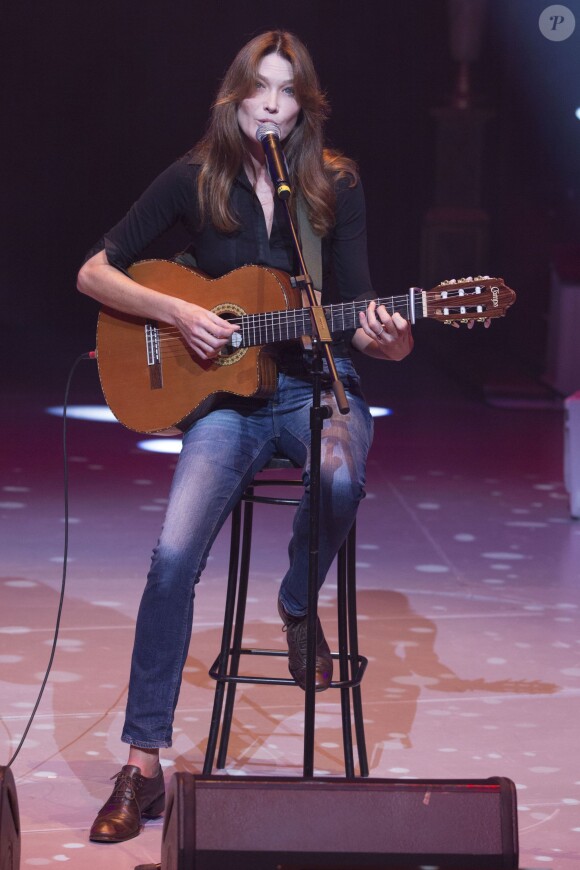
(263, 823)
(9, 822)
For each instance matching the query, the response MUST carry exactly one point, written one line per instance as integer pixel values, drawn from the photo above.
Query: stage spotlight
(96, 413)
(577, 113)
(102, 414)
(160, 445)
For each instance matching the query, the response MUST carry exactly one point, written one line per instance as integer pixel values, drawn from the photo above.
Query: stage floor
(469, 599)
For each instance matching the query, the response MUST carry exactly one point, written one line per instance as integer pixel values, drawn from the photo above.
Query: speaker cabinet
(9, 822)
(262, 823)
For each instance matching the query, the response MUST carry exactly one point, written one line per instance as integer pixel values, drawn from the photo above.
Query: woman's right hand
(204, 331)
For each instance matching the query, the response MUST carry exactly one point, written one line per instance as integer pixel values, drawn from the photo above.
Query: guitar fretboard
(273, 326)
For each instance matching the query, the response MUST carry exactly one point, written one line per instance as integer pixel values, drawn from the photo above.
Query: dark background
(99, 97)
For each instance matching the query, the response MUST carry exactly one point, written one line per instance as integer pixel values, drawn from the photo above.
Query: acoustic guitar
(153, 381)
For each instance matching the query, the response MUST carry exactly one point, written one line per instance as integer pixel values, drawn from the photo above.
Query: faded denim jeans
(221, 453)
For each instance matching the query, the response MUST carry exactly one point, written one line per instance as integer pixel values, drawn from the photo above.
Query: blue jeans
(221, 454)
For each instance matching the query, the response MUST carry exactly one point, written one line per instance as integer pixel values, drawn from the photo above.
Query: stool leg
(238, 631)
(226, 641)
(353, 638)
(343, 660)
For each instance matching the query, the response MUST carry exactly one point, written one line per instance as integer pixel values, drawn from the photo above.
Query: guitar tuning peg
(481, 319)
(464, 320)
(448, 322)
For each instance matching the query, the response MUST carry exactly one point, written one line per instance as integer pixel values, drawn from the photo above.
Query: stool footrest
(270, 499)
(214, 673)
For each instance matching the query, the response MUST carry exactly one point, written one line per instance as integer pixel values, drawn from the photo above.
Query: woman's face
(272, 100)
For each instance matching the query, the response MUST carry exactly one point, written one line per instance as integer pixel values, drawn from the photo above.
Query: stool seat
(225, 670)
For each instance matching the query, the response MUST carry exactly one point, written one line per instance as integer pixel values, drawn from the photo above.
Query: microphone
(268, 135)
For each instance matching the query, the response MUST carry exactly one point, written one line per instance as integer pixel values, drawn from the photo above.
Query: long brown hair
(222, 150)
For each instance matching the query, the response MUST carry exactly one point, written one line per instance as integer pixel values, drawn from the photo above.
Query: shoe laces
(299, 633)
(126, 782)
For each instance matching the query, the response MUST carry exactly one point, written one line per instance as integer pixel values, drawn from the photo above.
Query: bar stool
(226, 668)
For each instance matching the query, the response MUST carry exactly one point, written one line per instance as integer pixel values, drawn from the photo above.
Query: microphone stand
(321, 339)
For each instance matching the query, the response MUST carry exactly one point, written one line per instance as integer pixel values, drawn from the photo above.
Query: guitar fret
(273, 336)
(253, 321)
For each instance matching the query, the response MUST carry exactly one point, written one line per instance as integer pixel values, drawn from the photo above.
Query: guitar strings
(265, 327)
(294, 322)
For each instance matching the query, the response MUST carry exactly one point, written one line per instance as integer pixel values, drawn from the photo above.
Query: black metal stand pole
(318, 413)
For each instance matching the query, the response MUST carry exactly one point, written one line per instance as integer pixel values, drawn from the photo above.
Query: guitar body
(152, 381)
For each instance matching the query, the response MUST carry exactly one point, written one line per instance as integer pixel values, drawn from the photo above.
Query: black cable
(90, 355)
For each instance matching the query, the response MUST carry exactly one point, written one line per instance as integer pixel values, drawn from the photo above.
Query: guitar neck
(274, 326)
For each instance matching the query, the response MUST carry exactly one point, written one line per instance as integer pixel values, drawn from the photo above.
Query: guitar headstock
(468, 299)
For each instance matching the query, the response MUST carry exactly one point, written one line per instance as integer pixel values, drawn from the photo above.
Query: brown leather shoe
(296, 630)
(134, 796)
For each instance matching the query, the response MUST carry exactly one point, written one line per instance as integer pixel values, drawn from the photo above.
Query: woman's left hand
(383, 336)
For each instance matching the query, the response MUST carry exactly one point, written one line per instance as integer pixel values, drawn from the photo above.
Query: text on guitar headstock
(479, 298)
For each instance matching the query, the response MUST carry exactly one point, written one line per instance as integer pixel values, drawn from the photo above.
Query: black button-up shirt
(172, 199)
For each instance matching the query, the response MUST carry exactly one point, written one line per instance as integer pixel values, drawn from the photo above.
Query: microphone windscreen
(267, 129)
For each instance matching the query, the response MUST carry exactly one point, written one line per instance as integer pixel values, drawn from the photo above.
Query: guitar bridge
(153, 355)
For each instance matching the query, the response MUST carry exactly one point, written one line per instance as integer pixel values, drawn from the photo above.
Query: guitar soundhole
(232, 352)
